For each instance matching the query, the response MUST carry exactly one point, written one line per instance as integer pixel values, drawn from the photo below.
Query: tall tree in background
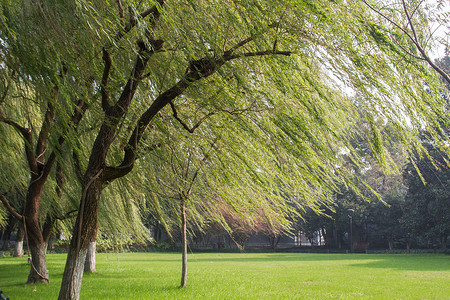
(128, 61)
(427, 202)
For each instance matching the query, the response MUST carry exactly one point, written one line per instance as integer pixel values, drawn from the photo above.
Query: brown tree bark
(35, 239)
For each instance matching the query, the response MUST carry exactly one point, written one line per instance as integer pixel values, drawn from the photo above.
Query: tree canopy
(267, 82)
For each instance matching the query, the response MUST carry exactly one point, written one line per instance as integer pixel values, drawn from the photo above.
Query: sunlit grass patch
(244, 276)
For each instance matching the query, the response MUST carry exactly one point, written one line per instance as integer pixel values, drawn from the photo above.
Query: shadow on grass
(409, 263)
(401, 262)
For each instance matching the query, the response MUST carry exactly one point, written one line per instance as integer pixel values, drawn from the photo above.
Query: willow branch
(185, 126)
(77, 164)
(412, 38)
(196, 70)
(28, 139)
(105, 77)
(49, 116)
(249, 39)
(67, 215)
(258, 53)
(73, 123)
(9, 208)
(420, 48)
(132, 23)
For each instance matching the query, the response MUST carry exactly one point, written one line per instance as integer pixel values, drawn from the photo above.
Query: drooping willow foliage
(273, 110)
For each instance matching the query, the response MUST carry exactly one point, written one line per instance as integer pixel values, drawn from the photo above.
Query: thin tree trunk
(89, 264)
(184, 244)
(18, 249)
(391, 243)
(6, 237)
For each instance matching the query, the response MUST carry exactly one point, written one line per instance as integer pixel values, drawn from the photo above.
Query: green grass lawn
(243, 276)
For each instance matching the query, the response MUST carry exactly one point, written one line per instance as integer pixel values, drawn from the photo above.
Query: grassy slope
(243, 276)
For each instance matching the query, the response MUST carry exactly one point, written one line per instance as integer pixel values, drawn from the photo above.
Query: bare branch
(185, 126)
(9, 208)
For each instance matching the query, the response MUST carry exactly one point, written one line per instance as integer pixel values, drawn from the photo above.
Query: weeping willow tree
(128, 64)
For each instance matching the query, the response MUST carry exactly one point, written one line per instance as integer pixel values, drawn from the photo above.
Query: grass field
(243, 276)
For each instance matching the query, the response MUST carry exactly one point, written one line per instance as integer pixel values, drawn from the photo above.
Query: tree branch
(412, 38)
(121, 12)
(67, 215)
(73, 123)
(185, 126)
(196, 70)
(28, 140)
(77, 164)
(249, 39)
(9, 208)
(105, 95)
(49, 116)
(259, 53)
(5, 92)
(420, 48)
(132, 23)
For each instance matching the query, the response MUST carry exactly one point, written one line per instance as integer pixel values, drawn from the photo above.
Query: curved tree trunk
(89, 264)
(85, 230)
(18, 249)
(184, 244)
(35, 239)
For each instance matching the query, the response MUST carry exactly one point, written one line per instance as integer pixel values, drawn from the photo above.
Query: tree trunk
(391, 243)
(38, 271)
(35, 239)
(71, 283)
(18, 249)
(184, 244)
(85, 230)
(6, 235)
(5, 238)
(89, 265)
